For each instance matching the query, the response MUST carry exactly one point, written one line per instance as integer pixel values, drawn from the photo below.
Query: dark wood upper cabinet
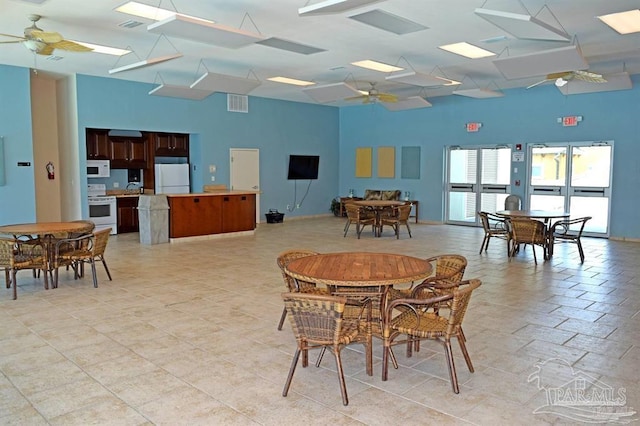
(171, 145)
(128, 153)
(98, 145)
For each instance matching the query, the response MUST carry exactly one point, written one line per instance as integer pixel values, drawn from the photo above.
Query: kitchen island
(211, 214)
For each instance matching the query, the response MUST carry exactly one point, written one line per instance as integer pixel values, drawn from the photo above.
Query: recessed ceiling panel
(190, 28)
(418, 79)
(568, 58)
(331, 92)
(185, 92)
(614, 82)
(412, 102)
(333, 6)
(479, 93)
(225, 83)
(523, 26)
(291, 46)
(388, 22)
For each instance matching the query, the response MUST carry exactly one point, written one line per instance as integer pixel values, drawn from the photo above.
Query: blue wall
(276, 128)
(522, 116)
(17, 196)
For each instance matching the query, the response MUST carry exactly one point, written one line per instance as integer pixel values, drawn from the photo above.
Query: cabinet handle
(196, 200)
(243, 198)
(225, 199)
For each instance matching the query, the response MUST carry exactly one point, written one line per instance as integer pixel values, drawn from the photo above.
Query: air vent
(237, 103)
(129, 24)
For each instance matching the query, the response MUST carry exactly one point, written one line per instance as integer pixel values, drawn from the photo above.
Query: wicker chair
(356, 214)
(494, 226)
(528, 231)
(16, 255)
(295, 286)
(399, 217)
(77, 251)
(318, 322)
(418, 321)
(561, 232)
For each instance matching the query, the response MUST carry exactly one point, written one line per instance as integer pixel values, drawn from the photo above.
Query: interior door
(245, 172)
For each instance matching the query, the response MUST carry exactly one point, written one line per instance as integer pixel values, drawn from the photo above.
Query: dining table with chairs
(380, 209)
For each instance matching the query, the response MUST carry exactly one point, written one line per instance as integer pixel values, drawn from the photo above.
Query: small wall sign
(473, 127)
(570, 120)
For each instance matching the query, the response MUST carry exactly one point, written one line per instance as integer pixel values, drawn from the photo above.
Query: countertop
(215, 194)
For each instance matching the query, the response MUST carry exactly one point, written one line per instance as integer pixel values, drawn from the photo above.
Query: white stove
(102, 207)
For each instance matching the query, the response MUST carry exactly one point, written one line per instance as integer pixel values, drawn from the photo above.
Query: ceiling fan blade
(387, 97)
(566, 75)
(47, 37)
(589, 77)
(45, 51)
(356, 98)
(71, 46)
(20, 38)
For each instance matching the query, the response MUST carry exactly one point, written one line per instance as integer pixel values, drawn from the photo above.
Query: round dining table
(378, 206)
(369, 275)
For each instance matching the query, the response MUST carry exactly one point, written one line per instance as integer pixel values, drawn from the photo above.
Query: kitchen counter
(211, 214)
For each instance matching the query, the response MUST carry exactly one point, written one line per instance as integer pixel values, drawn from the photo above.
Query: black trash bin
(274, 216)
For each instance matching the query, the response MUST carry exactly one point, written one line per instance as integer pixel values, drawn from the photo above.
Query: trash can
(274, 216)
(153, 216)
(512, 202)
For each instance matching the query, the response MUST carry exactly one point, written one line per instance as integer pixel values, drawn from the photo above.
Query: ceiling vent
(237, 103)
(129, 24)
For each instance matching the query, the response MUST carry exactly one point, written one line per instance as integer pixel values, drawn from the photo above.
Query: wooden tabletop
(378, 203)
(533, 214)
(359, 269)
(42, 228)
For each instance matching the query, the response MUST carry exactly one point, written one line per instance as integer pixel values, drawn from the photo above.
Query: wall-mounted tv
(303, 167)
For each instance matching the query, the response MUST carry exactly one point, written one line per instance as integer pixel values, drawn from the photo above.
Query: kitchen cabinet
(127, 211)
(238, 212)
(171, 145)
(211, 213)
(98, 145)
(128, 153)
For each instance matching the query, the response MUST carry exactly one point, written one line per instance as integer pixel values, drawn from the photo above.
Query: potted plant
(335, 206)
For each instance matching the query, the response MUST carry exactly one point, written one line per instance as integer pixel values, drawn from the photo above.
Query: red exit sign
(473, 127)
(571, 120)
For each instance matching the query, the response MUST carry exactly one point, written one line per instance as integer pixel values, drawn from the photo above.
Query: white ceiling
(344, 40)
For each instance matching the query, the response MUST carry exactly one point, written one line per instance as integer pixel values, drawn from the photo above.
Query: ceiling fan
(562, 78)
(43, 42)
(373, 95)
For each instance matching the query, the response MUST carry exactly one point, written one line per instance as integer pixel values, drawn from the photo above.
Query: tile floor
(186, 334)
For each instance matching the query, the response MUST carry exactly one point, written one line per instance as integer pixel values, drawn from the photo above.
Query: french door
(573, 177)
(477, 179)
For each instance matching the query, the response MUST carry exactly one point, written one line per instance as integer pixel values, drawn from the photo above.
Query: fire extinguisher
(50, 171)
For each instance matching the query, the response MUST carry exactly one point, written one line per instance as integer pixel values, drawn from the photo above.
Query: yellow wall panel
(386, 161)
(363, 162)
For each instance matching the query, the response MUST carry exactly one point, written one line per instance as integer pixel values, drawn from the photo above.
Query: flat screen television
(303, 167)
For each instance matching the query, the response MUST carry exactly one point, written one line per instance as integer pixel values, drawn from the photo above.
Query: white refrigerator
(172, 178)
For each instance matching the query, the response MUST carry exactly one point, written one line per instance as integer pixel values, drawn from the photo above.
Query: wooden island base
(211, 215)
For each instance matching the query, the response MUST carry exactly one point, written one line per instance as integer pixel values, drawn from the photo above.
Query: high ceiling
(342, 39)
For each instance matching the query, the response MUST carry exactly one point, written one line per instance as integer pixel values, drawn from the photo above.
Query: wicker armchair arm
(67, 244)
(414, 305)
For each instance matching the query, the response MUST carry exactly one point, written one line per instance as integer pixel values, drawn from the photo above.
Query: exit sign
(473, 127)
(570, 120)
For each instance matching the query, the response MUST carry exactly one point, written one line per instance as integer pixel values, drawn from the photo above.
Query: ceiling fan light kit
(333, 6)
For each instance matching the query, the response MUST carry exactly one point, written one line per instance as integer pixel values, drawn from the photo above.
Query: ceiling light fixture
(467, 50)
(522, 26)
(623, 22)
(560, 82)
(333, 6)
(287, 80)
(144, 11)
(376, 66)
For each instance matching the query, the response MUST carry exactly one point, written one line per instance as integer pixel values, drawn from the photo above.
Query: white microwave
(98, 168)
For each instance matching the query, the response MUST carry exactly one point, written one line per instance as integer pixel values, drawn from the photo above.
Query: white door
(245, 172)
